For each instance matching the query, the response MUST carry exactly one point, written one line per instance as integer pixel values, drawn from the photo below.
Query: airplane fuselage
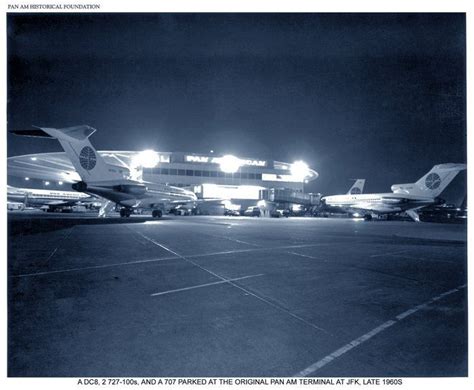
(381, 203)
(133, 194)
(37, 197)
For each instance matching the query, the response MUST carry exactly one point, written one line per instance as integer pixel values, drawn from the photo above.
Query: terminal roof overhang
(56, 166)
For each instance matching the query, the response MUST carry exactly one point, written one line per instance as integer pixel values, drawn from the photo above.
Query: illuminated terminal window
(206, 173)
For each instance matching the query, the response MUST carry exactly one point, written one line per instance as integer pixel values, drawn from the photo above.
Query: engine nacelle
(132, 189)
(389, 200)
(402, 188)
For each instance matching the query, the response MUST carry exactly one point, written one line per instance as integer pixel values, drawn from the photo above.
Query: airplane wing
(58, 203)
(66, 202)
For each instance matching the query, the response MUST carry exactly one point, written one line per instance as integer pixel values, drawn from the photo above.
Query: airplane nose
(322, 204)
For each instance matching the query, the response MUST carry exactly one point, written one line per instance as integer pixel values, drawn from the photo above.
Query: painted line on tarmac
(52, 253)
(174, 257)
(423, 259)
(203, 285)
(307, 256)
(359, 268)
(362, 339)
(390, 253)
(92, 267)
(248, 292)
(64, 239)
(233, 239)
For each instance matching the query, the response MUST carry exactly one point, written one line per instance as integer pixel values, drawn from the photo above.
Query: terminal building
(241, 181)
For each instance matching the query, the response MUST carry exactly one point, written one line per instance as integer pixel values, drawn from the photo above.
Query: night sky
(377, 96)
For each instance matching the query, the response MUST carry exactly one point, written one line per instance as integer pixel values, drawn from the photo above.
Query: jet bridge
(286, 195)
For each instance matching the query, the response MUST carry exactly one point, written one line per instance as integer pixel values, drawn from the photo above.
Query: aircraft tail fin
(75, 142)
(357, 187)
(432, 183)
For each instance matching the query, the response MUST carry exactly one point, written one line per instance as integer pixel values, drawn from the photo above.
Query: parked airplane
(49, 200)
(323, 209)
(109, 181)
(406, 198)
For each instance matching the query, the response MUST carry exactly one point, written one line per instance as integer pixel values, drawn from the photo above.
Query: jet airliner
(109, 181)
(406, 198)
(49, 200)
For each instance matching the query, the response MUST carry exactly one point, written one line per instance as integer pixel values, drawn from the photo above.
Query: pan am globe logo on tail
(356, 190)
(87, 158)
(432, 181)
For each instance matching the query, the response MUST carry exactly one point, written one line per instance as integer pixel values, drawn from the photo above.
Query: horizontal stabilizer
(31, 133)
(79, 133)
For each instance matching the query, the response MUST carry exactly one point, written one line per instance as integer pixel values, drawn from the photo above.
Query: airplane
(324, 209)
(406, 198)
(108, 181)
(48, 200)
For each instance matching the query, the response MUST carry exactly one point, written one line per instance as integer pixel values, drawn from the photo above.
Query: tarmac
(235, 296)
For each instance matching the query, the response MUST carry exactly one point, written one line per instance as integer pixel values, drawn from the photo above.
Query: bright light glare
(230, 164)
(261, 203)
(146, 159)
(356, 215)
(46, 183)
(71, 176)
(211, 191)
(27, 178)
(60, 183)
(34, 158)
(300, 170)
(230, 206)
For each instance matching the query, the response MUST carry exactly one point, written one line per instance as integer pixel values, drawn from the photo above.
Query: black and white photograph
(247, 195)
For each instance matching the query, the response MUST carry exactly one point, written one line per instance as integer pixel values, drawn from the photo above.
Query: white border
(245, 6)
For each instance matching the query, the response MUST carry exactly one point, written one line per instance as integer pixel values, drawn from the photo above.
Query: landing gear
(156, 213)
(368, 217)
(124, 212)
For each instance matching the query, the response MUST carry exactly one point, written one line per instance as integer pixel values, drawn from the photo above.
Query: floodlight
(230, 164)
(146, 159)
(33, 158)
(60, 183)
(46, 183)
(27, 178)
(300, 170)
